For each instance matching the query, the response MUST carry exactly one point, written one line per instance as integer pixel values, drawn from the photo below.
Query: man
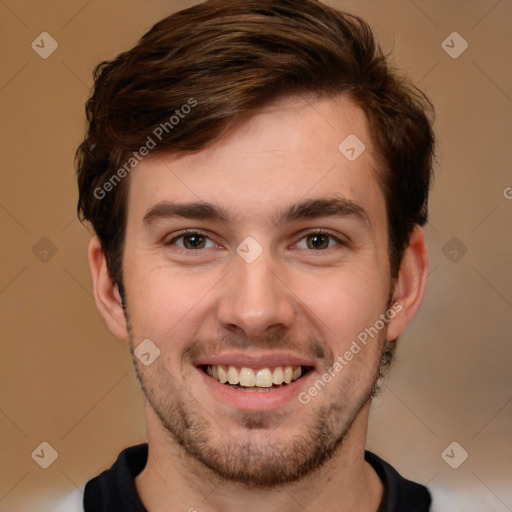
(257, 178)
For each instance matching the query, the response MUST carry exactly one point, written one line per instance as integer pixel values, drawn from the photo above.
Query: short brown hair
(228, 58)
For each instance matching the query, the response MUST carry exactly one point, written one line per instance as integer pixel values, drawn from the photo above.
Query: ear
(106, 293)
(410, 284)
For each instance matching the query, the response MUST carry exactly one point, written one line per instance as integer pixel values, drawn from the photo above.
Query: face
(259, 260)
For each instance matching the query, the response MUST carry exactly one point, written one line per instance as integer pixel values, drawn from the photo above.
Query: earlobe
(410, 284)
(106, 293)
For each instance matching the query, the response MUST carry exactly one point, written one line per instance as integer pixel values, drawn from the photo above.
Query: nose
(255, 300)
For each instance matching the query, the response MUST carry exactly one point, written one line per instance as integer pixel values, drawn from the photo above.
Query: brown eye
(318, 241)
(194, 241)
(191, 241)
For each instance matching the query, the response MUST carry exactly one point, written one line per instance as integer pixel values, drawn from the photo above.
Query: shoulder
(401, 495)
(115, 487)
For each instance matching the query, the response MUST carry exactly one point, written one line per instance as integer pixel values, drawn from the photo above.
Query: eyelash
(324, 232)
(184, 234)
(304, 235)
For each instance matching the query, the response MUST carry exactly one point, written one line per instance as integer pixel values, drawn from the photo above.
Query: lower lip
(255, 400)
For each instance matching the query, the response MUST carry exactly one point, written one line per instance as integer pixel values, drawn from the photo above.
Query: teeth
(223, 376)
(249, 378)
(278, 377)
(233, 375)
(263, 378)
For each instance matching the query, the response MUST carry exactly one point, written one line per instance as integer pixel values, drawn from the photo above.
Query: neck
(344, 483)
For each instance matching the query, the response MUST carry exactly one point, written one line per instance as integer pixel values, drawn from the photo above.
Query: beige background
(68, 382)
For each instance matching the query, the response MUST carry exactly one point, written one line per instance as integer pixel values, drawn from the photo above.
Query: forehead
(295, 148)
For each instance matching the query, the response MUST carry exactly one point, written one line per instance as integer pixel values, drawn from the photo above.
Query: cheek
(167, 306)
(343, 302)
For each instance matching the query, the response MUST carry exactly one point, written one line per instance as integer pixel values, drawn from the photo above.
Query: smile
(262, 379)
(255, 380)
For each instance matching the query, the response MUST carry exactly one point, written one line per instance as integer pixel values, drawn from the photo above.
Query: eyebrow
(307, 209)
(195, 210)
(322, 207)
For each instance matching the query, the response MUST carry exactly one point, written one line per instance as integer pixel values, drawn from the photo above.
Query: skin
(294, 298)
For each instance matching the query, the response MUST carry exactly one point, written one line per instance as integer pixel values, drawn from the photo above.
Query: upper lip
(247, 360)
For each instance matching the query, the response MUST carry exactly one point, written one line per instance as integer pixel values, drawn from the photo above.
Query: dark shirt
(114, 489)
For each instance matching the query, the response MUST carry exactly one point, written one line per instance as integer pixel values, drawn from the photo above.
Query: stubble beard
(261, 459)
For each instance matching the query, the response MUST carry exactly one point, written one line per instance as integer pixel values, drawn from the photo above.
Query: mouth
(254, 381)
(243, 378)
